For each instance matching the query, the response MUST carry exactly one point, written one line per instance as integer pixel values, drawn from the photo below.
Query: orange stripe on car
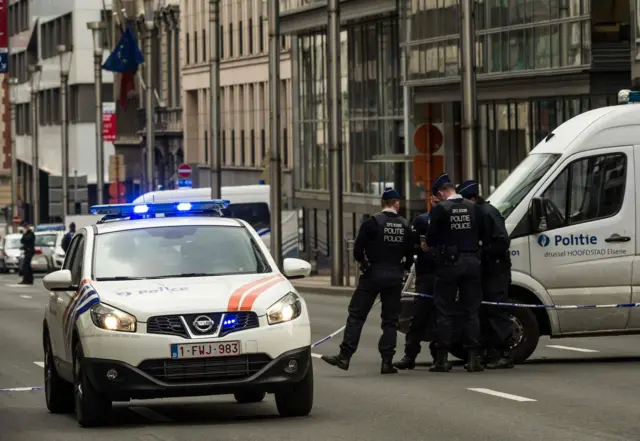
(250, 299)
(236, 297)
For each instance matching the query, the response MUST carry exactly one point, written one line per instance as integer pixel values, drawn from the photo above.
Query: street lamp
(97, 28)
(147, 14)
(13, 83)
(65, 65)
(215, 154)
(35, 159)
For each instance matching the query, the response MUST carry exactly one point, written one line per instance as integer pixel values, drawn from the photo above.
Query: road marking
(16, 285)
(570, 348)
(22, 296)
(495, 393)
(316, 355)
(151, 414)
(39, 363)
(21, 389)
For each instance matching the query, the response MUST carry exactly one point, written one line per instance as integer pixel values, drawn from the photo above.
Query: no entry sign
(184, 171)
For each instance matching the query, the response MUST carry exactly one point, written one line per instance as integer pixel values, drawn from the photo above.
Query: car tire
(58, 392)
(249, 396)
(527, 328)
(297, 400)
(92, 408)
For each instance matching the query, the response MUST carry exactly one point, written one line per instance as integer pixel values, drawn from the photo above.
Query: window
(589, 189)
(250, 36)
(231, 39)
(204, 46)
(70, 254)
(76, 262)
(263, 144)
(195, 47)
(187, 42)
(285, 147)
(256, 214)
(240, 39)
(224, 146)
(177, 251)
(206, 146)
(46, 240)
(253, 147)
(221, 42)
(233, 147)
(261, 32)
(243, 155)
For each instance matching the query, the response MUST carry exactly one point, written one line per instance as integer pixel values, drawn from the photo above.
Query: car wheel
(92, 408)
(526, 333)
(297, 400)
(249, 396)
(58, 392)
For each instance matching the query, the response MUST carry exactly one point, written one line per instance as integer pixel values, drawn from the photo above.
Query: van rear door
(586, 255)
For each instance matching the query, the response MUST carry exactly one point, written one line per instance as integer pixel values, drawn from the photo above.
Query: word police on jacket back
(393, 232)
(460, 219)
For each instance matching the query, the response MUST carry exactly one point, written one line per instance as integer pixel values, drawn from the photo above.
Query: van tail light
(38, 251)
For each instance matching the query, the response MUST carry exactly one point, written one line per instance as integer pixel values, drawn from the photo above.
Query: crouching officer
(384, 251)
(454, 234)
(496, 278)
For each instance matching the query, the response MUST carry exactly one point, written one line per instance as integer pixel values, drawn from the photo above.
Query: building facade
(539, 62)
(36, 28)
(244, 94)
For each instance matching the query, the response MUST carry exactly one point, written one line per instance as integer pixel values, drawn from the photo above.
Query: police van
(572, 213)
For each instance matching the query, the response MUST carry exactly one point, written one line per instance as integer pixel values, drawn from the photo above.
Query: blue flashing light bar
(126, 210)
(634, 97)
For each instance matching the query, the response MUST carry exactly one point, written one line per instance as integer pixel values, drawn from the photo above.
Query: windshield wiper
(113, 279)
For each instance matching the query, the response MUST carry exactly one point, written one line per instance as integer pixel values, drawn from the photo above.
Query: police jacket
(384, 243)
(66, 240)
(495, 247)
(456, 227)
(425, 264)
(28, 241)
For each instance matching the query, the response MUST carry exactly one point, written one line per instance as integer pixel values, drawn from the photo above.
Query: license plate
(205, 349)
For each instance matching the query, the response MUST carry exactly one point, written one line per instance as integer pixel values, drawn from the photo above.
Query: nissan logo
(203, 323)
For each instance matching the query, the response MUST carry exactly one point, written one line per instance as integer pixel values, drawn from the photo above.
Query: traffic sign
(185, 183)
(17, 220)
(184, 171)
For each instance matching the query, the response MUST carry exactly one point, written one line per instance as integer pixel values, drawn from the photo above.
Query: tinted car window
(256, 214)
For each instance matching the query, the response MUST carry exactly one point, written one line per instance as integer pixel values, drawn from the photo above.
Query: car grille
(205, 369)
(173, 324)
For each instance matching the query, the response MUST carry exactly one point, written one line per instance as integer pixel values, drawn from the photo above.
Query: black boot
(441, 364)
(340, 361)
(474, 365)
(405, 363)
(387, 367)
(503, 361)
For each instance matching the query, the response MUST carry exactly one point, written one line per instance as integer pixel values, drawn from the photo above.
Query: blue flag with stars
(125, 59)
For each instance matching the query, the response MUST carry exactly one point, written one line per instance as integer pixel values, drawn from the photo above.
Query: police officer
(423, 311)
(496, 278)
(454, 235)
(28, 242)
(66, 240)
(384, 251)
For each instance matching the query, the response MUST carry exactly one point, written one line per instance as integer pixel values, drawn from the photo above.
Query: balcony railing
(168, 121)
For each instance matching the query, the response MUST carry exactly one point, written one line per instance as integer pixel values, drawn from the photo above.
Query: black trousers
(498, 325)
(27, 271)
(463, 276)
(389, 285)
(423, 319)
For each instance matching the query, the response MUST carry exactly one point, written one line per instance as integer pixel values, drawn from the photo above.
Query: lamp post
(97, 28)
(214, 99)
(13, 82)
(65, 61)
(35, 159)
(149, 26)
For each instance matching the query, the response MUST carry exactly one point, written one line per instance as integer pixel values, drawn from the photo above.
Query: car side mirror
(296, 268)
(538, 215)
(58, 281)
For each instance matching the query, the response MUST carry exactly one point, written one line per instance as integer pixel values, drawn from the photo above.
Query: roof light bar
(628, 96)
(126, 210)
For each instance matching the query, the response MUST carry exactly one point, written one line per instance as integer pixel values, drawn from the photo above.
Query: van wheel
(58, 393)
(249, 396)
(92, 408)
(526, 333)
(297, 400)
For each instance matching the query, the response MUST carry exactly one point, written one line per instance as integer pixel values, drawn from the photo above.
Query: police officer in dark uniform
(384, 251)
(423, 309)
(28, 242)
(496, 278)
(454, 235)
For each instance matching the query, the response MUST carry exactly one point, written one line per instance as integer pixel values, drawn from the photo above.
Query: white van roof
(604, 127)
(236, 195)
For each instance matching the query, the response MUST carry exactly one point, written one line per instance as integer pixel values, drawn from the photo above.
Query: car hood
(12, 252)
(147, 298)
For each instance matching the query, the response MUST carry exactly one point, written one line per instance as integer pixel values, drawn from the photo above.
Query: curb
(343, 291)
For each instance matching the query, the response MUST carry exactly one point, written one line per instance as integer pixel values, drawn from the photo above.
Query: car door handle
(617, 238)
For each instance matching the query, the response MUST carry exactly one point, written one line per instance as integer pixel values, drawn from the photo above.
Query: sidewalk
(322, 285)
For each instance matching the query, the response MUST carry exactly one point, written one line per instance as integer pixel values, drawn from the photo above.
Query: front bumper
(164, 378)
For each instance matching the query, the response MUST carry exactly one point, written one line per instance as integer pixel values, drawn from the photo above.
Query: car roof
(13, 235)
(121, 225)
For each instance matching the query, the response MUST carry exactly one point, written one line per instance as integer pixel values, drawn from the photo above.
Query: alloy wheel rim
(518, 332)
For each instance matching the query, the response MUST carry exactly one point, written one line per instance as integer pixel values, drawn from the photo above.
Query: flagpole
(148, 41)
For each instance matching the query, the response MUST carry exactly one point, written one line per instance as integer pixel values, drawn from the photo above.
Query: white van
(571, 210)
(250, 203)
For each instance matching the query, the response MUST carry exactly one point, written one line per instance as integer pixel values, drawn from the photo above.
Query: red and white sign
(184, 171)
(108, 121)
(17, 220)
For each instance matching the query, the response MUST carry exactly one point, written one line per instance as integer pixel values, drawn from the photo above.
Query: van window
(256, 214)
(588, 189)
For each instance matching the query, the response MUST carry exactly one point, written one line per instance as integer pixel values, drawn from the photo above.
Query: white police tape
(21, 389)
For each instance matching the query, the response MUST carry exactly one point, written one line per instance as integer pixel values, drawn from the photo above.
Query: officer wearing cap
(384, 251)
(496, 278)
(423, 311)
(454, 235)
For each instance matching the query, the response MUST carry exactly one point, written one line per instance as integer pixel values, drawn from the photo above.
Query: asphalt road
(585, 389)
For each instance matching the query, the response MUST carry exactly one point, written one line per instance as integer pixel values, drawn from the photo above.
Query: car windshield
(176, 251)
(520, 182)
(12, 243)
(46, 240)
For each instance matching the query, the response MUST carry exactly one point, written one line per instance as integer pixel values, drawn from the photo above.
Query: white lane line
(571, 348)
(21, 389)
(495, 393)
(316, 355)
(22, 296)
(151, 414)
(15, 285)
(39, 363)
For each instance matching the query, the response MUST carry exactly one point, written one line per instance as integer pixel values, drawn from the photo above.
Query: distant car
(10, 255)
(46, 243)
(157, 302)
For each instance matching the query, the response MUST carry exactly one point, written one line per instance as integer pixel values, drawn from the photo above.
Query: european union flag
(125, 59)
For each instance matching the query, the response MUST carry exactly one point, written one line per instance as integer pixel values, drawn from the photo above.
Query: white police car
(163, 300)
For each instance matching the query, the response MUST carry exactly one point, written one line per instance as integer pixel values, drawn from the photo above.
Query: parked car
(10, 254)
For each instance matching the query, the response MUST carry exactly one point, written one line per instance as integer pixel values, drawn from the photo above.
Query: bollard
(348, 250)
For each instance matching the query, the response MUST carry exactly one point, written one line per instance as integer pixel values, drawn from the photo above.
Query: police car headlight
(286, 309)
(112, 319)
